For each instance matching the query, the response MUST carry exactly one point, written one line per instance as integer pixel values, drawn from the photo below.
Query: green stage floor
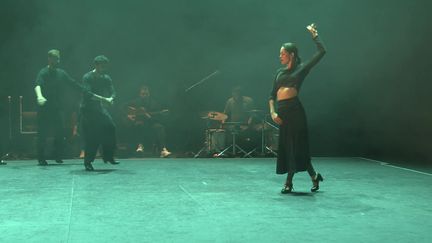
(213, 200)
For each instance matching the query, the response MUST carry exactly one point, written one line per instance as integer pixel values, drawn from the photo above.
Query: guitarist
(143, 116)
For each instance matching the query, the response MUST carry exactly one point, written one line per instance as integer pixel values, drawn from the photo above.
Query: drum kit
(221, 137)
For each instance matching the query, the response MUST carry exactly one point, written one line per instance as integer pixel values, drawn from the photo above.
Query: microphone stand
(202, 80)
(207, 144)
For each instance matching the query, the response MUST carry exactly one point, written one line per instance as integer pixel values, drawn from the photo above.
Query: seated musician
(144, 116)
(238, 109)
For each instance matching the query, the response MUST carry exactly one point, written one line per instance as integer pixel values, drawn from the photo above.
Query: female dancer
(293, 152)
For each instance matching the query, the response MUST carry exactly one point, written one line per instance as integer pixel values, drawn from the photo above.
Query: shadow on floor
(96, 171)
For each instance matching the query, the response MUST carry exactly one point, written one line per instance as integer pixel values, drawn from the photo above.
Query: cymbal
(233, 123)
(255, 111)
(215, 115)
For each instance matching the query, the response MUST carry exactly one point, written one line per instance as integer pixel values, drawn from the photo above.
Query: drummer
(238, 106)
(239, 110)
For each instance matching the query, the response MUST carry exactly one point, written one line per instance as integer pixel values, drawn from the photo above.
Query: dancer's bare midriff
(285, 93)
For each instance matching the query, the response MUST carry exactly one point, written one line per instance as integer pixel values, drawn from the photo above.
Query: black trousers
(50, 123)
(150, 131)
(98, 130)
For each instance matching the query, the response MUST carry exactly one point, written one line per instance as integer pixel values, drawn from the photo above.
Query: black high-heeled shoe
(316, 182)
(287, 189)
(42, 162)
(88, 166)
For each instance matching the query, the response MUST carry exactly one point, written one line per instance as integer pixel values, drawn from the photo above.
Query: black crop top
(295, 76)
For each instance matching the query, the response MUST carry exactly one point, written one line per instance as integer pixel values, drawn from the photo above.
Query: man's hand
(276, 118)
(131, 117)
(110, 100)
(41, 100)
(104, 99)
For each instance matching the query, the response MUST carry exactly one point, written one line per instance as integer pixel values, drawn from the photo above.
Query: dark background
(369, 96)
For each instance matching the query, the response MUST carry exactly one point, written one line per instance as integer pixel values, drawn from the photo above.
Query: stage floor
(213, 200)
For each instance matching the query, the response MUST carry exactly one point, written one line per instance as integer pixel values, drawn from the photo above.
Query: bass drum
(272, 140)
(215, 140)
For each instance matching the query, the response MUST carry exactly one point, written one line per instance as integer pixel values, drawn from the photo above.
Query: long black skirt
(293, 151)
